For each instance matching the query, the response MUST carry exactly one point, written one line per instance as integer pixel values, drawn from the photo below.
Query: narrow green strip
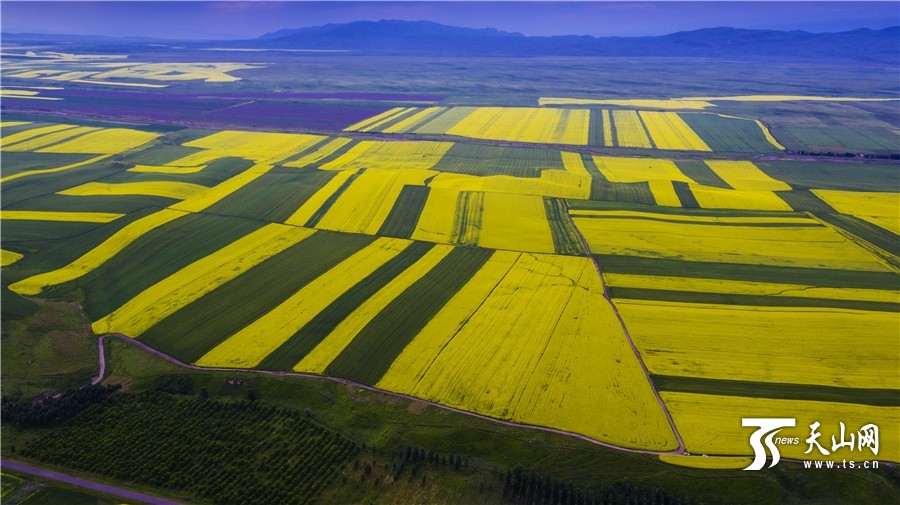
(591, 167)
(371, 353)
(595, 128)
(623, 192)
(819, 277)
(405, 213)
(867, 232)
(752, 300)
(201, 325)
(566, 239)
(685, 195)
(700, 173)
(811, 224)
(805, 201)
(301, 343)
(320, 213)
(777, 391)
(425, 122)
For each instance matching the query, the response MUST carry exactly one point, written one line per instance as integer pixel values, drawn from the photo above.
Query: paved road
(94, 486)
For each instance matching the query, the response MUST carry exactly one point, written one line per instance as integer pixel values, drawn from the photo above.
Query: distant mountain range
(426, 38)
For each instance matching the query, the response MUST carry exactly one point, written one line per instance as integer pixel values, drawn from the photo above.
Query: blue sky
(243, 19)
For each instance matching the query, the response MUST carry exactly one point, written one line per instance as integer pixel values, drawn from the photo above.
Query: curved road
(87, 484)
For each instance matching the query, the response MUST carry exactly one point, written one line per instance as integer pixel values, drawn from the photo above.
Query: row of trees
(522, 487)
(49, 411)
(239, 452)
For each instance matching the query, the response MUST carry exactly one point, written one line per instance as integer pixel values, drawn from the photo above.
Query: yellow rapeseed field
(516, 223)
(166, 189)
(98, 255)
(31, 133)
(315, 202)
(70, 166)
(261, 147)
(48, 215)
(371, 154)
(748, 343)
(171, 71)
(366, 203)
(8, 124)
(526, 124)
(699, 285)
(334, 343)
(688, 218)
(711, 424)
(9, 257)
(607, 129)
(406, 124)
(629, 129)
(664, 193)
(106, 141)
(436, 223)
(812, 247)
(167, 169)
(744, 175)
(488, 351)
(208, 196)
(35, 143)
(640, 103)
(639, 169)
(368, 123)
(200, 277)
(880, 209)
(330, 148)
(718, 198)
(669, 131)
(556, 183)
(248, 347)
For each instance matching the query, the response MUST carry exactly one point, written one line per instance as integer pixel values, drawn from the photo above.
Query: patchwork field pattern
(644, 129)
(505, 280)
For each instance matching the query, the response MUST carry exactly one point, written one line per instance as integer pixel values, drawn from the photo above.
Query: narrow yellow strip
(248, 347)
(75, 217)
(306, 211)
(607, 129)
(330, 148)
(200, 277)
(203, 200)
(344, 333)
(167, 169)
(7, 124)
(9, 257)
(664, 193)
(769, 136)
(386, 115)
(166, 189)
(53, 170)
(33, 144)
(98, 255)
(32, 133)
(402, 126)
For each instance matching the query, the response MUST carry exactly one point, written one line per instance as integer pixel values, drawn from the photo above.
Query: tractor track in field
(102, 373)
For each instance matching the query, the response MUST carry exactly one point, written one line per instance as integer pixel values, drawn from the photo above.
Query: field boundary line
(662, 404)
(339, 380)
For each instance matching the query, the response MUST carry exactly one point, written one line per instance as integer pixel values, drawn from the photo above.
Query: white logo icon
(770, 426)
